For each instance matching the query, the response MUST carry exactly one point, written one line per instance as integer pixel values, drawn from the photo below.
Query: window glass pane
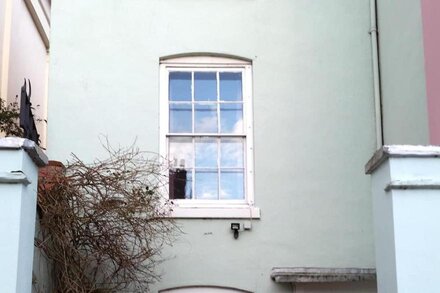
(180, 183)
(206, 185)
(232, 185)
(181, 161)
(231, 118)
(180, 118)
(180, 86)
(205, 84)
(231, 153)
(230, 86)
(206, 152)
(205, 117)
(181, 152)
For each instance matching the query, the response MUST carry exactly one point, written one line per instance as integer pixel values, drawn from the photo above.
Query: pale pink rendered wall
(431, 37)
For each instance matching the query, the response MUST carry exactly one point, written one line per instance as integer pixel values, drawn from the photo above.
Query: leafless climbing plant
(105, 223)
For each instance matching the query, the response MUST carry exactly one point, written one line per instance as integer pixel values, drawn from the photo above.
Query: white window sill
(241, 212)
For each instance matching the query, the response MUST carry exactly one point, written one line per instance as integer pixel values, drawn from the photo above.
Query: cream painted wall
(402, 68)
(5, 24)
(2, 24)
(25, 56)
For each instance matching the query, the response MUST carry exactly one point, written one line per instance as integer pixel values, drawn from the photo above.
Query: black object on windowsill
(177, 183)
(27, 121)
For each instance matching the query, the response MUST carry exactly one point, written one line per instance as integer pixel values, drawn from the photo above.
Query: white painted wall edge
(14, 177)
(387, 151)
(430, 183)
(34, 151)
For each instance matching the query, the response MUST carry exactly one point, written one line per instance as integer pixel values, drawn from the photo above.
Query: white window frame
(212, 208)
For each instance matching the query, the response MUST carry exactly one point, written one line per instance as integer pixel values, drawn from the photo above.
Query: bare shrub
(106, 222)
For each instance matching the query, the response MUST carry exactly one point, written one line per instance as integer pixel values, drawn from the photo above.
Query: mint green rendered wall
(313, 118)
(405, 116)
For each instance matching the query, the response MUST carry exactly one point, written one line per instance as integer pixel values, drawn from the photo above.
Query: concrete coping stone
(30, 147)
(321, 275)
(400, 151)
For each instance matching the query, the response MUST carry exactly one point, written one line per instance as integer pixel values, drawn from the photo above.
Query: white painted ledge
(248, 212)
(34, 151)
(14, 177)
(321, 275)
(413, 184)
(396, 151)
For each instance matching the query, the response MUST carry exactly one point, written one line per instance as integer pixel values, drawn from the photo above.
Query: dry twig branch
(106, 222)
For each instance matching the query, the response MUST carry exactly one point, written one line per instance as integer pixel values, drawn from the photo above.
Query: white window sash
(203, 208)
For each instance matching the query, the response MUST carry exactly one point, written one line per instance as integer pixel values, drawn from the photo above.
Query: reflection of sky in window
(230, 86)
(231, 185)
(205, 117)
(206, 152)
(205, 86)
(218, 172)
(207, 172)
(188, 186)
(180, 118)
(181, 152)
(231, 118)
(231, 152)
(206, 185)
(180, 86)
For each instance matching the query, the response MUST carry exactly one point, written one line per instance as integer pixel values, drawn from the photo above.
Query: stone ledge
(321, 275)
(31, 148)
(425, 184)
(15, 177)
(396, 151)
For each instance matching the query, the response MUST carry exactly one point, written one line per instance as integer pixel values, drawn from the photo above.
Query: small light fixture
(235, 227)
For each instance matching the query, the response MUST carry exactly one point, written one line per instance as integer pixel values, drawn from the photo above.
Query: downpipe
(376, 74)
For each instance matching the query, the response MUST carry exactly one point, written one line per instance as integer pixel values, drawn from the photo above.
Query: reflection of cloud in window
(181, 151)
(207, 195)
(231, 185)
(238, 126)
(224, 193)
(206, 152)
(232, 152)
(206, 185)
(206, 124)
(230, 115)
